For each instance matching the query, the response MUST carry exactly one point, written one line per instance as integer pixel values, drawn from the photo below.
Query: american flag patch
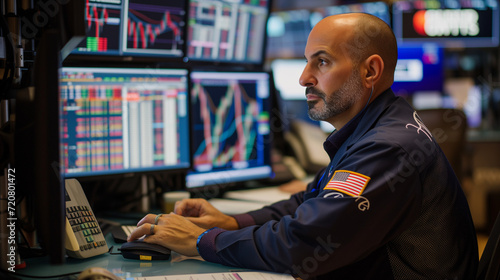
(348, 182)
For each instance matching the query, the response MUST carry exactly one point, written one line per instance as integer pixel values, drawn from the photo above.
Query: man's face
(333, 83)
(335, 103)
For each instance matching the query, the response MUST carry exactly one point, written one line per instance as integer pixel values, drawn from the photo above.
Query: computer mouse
(140, 250)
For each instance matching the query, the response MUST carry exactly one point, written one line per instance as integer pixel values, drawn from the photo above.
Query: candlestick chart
(102, 27)
(154, 27)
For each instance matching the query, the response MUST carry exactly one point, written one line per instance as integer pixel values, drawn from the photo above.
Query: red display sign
(463, 27)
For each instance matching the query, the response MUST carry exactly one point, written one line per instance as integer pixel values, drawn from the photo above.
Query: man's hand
(202, 213)
(172, 231)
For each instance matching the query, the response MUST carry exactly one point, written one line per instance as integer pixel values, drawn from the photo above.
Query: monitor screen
(134, 28)
(419, 68)
(230, 127)
(452, 23)
(227, 31)
(287, 33)
(123, 120)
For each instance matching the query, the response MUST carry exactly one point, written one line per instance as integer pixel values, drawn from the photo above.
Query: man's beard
(338, 102)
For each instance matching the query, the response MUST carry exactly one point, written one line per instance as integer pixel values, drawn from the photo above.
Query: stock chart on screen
(103, 27)
(230, 127)
(125, 120)
(133, 27)
(229, 31)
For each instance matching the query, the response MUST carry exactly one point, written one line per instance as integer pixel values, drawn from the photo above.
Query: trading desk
(114, 262)
(177, 264)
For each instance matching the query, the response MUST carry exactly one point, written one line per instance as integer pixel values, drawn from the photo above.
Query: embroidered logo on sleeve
(348, 182)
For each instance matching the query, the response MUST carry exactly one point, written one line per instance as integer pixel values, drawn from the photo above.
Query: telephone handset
(306, 141)
(84, 238)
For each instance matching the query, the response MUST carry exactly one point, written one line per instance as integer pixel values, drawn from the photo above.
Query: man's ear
(374, 67)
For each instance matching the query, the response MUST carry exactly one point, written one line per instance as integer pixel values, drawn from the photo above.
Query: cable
(369, 98)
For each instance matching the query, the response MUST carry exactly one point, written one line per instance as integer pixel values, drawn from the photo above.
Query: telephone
(84, 238)
(306, 142)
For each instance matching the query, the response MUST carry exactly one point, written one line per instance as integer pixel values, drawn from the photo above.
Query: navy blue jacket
(388, 206)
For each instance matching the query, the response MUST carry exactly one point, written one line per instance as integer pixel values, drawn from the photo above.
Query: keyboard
(120, 233)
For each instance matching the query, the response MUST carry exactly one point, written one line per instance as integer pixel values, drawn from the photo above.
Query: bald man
(388, 206)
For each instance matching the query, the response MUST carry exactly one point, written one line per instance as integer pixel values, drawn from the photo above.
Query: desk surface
(114, 262)
(122, 267)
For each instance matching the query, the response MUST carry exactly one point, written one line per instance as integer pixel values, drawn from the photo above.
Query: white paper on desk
(247, 275)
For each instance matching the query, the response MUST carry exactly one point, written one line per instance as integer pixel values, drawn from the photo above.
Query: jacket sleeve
(268, 213)
(329, 230)
(277, 210)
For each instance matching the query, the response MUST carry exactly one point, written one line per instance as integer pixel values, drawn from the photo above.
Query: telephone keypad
(82, 220)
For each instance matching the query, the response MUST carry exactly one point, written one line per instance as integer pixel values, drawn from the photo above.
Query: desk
(178, 264)
(122, 267)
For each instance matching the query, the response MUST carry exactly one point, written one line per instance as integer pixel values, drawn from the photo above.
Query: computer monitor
(286, 74)
(230, 128)
(419, 68)
(227, 31)
(451, 23)
(134, 28)
(123, 120)
(287, 33)
(292, 96)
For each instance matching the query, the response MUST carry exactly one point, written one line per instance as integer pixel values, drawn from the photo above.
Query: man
(388, 206)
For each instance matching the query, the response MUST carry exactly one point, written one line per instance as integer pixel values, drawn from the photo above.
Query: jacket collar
(358, 125)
